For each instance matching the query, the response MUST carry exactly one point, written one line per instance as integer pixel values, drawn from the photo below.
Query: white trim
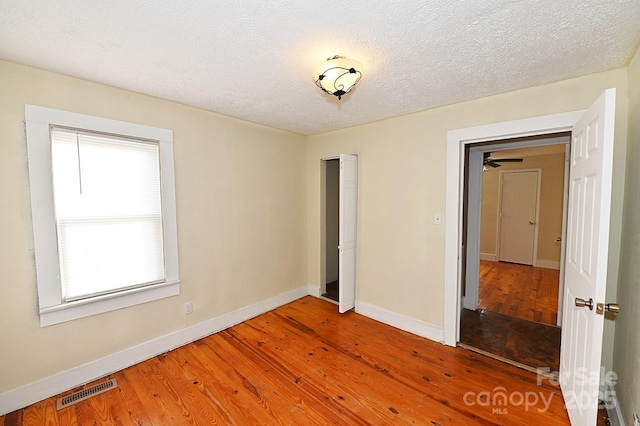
(456, 143)
(492, 257)
(474, 215)
(109, 302)
(549, 264)
(313, 290)
(563, 240)
(612, 403)
(52, 309)
(402, 322)
(53, 385)
(615, 414)
(42, 115)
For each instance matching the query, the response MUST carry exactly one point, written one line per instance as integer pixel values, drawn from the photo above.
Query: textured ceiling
(253, 59)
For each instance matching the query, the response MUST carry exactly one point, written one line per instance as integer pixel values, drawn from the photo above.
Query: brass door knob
(581, 303)
(612, 307)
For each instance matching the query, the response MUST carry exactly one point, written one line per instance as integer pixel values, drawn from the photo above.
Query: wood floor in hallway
(527, 343)
(520, 291)
(305, 364)
(516, 316)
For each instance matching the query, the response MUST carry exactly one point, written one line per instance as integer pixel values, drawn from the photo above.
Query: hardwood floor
(516, 316)
(519, 291)
(303, 364)
(526, 343)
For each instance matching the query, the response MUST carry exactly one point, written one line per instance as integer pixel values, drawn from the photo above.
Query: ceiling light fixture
(338, 75)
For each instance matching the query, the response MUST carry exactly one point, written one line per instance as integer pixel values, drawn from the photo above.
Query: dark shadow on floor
(332, 291)
(525, 342)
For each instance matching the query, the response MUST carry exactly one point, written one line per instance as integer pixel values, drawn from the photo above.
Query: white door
(518, 212)
(347, 244)
(591, 165)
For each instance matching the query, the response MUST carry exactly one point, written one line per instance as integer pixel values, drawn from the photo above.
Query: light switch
(437, 218)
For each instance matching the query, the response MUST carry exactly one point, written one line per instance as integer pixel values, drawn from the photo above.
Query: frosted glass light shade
(338, 75)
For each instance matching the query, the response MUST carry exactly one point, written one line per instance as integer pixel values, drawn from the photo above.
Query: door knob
(610, 307)
(532, 223)
(581, 303)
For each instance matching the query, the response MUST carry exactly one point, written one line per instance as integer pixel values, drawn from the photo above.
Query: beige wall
(248, 205)
(626, 361)
(240, 191)
(550, 216)
(401, 171)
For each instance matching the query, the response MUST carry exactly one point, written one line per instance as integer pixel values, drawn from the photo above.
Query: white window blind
(108, 212)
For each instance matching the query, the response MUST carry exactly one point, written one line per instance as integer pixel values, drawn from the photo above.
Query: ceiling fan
(488, 161)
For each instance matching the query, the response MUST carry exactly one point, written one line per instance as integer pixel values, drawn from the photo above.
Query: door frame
(473, 253)
(457, 142)
(323, 230)
(534, 257)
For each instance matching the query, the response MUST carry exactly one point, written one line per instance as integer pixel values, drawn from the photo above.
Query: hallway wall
(550, 220)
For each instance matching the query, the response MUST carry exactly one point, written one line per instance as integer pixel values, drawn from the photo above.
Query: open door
(347, 243)
(591, 166)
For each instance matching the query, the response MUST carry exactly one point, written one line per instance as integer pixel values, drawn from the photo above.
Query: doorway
(513, 260)
(339, 223)
(332, 229)
(587, 259)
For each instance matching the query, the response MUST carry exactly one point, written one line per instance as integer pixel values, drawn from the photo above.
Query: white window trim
(52, 309)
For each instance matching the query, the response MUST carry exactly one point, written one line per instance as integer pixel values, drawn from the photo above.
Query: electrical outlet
(188, 308)
(636, 419)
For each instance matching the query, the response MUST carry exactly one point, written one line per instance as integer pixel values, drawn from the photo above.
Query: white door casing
(472, 246)
(348, 216)
(457, 141)
(519, 203)
(563, 243)
(590, 176)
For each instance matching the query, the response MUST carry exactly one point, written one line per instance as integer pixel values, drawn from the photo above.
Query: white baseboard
(489, 256)
(549, 264)
(312, 290)
(402, 322)
(614, 412)
(53, 385)
(540, 263)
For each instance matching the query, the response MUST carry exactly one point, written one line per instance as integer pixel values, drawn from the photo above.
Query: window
(103, 206)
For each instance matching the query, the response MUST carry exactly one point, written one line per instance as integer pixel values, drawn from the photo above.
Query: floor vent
(83, 394)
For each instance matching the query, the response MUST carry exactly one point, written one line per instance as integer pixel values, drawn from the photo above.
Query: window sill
(110, 302)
